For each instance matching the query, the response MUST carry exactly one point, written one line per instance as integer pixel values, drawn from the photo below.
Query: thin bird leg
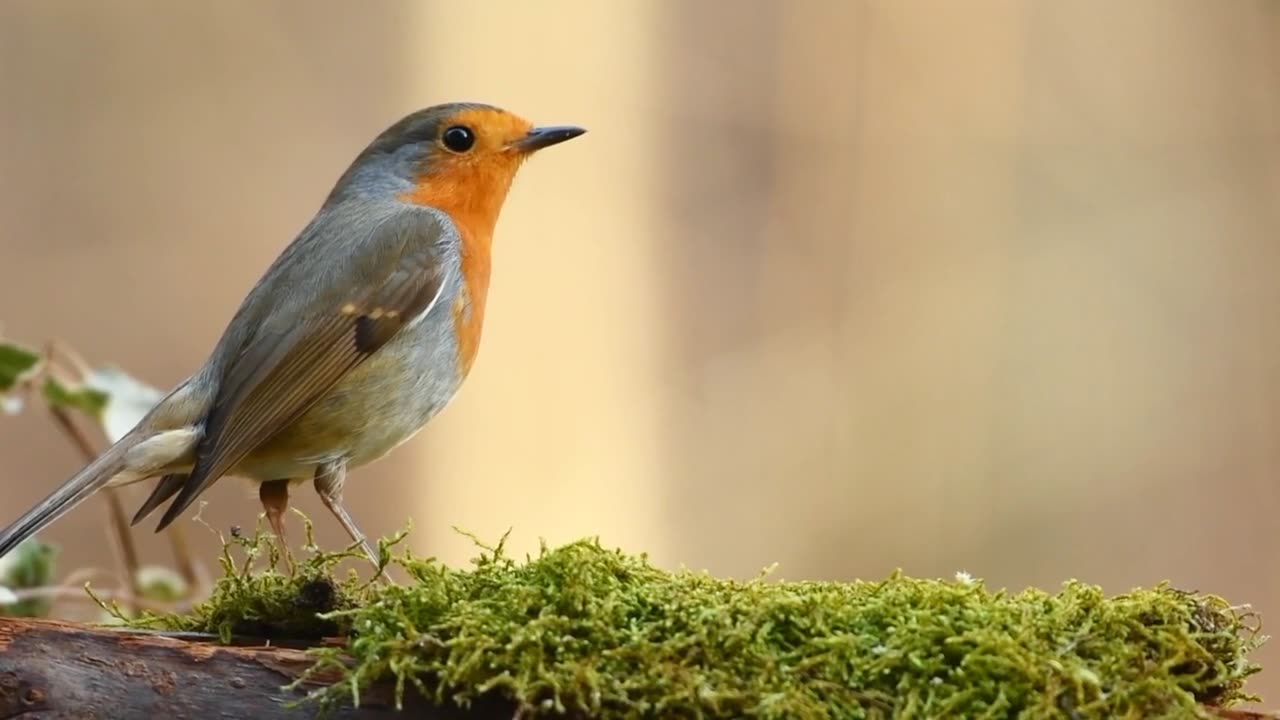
(274, 495)
(329, 480)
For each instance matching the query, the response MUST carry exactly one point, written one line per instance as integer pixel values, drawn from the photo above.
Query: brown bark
(53, 670)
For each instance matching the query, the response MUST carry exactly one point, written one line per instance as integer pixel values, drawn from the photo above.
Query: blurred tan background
(848, 286)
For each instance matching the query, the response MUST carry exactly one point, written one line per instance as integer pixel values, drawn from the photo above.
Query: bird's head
(459, 157)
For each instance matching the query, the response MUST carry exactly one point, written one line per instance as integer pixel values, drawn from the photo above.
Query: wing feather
(395, 277)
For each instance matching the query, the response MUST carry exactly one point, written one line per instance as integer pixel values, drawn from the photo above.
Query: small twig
(73, 578)
(64, 592)
(80, 576)
(125, 549)
(182, 557)
(55, 351)
(77, 437)
(124, 545)
(60, 361)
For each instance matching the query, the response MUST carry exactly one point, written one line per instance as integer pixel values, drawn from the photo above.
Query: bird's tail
(70, 494)
(142, 453)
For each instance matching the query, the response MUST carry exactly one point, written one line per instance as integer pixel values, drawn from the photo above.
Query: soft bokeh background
(849, 286)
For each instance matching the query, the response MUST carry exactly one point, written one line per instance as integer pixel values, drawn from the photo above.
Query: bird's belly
(379, 405)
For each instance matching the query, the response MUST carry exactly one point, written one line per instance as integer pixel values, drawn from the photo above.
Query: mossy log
(54, 670)
(584, 632)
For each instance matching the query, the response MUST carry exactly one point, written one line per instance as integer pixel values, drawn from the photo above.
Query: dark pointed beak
(542, 137)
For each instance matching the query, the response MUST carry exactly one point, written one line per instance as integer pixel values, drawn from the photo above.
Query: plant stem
(125, 550)
(64, 592)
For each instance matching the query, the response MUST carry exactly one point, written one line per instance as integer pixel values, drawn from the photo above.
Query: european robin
(360, 332)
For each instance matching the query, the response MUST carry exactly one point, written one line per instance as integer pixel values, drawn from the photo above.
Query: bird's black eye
(459, 139)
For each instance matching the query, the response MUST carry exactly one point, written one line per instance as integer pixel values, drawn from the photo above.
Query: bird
(359, 333)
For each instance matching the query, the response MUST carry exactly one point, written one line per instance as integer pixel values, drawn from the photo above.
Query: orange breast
(472, 196)
(468, 308)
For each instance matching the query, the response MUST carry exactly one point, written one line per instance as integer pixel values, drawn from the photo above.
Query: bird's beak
(542, 137)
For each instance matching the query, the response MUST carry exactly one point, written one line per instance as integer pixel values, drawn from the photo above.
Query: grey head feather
(389, 164)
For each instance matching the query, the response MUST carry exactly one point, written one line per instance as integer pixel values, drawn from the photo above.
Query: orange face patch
(471, 187)
(494, 129)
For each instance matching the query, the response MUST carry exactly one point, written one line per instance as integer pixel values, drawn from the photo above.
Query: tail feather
(168, 486)
(70, 494)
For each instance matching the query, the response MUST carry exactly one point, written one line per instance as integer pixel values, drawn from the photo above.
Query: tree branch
(55, 670)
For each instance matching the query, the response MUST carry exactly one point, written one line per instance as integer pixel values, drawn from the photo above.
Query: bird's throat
(475, 214)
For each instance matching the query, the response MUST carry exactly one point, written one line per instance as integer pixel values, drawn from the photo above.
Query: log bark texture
(52, 670)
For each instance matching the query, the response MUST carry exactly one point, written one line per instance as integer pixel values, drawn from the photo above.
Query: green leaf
(76, 397)
(30, 565)
(15, 362)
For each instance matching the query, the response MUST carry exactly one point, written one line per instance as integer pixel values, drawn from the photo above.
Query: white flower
(10, 404)
(128, 399)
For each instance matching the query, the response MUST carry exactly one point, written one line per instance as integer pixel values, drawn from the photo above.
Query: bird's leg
(329, 480)
(274, 495)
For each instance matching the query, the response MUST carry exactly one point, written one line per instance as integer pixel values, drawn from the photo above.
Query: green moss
(273, 602)
(585, 630)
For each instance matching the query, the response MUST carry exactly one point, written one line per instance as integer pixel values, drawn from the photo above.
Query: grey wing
(390, 279)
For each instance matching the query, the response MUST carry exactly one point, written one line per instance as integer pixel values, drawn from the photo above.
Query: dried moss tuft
(584, 630)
